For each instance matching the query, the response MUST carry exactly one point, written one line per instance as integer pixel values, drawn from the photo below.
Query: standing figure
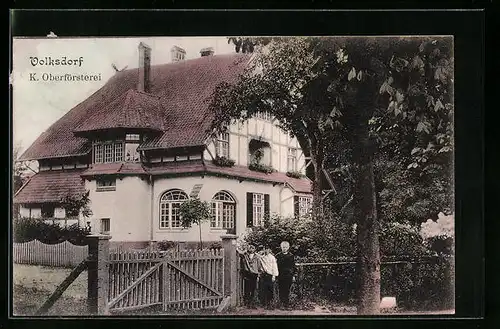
(250, 266)
(286, 268)
(268, 274)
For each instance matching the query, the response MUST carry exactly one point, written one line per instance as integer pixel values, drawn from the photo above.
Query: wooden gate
(190, 279)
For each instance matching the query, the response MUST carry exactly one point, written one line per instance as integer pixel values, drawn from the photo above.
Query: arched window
(223, 211)
(170, 203)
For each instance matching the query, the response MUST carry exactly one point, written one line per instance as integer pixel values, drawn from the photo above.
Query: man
(250, 267)
(286, 268)
(268, 274)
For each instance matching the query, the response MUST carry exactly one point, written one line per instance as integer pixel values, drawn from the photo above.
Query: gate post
(98, 274)
(230, 268)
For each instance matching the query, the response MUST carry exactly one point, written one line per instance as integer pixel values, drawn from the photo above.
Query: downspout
(151, 214)
(281, 199)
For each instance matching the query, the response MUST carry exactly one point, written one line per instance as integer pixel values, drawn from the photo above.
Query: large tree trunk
(317, 159)
(368, 267)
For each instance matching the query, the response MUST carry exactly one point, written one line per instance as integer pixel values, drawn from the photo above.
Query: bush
(423, 282)
(223, 162)
(215, 245)
(26, 229)
(294, 174)
(166, 245)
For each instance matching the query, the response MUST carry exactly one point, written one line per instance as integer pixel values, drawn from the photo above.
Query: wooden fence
(64, 254)
(188, 279)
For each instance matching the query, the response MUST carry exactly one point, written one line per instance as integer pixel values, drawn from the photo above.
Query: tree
(194, 211)
(74, 205)
(386, 102)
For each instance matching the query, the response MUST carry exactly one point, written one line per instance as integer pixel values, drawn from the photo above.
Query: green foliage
(166, 245)
(255, 166)
(74, 204)
(223, 162)
(194, 211)
(295, 174)
(27, 229)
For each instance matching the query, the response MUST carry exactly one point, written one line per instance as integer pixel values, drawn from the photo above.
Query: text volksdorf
(49, 61)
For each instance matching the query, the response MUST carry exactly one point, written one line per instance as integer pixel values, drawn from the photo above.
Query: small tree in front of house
(76, 204)
(194, 211)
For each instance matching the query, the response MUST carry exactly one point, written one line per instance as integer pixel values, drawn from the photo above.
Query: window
(170, 203)
(118, 152)
(222, 145)
(47, 211)
(260, 152)
(292, 159)
(223, 211)
(133, 137)
(305, 205)
(106, 184)
(98, 153)
(105, 226)
(107, 152)
(258, 209)
(263, 116)
(131, 153)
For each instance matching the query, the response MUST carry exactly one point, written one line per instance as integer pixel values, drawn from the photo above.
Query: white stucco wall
(212, 185)
(128, 208)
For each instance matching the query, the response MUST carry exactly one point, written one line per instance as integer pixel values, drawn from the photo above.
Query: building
(141, 145)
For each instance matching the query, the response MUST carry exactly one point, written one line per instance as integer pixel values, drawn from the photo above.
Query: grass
(32, 286)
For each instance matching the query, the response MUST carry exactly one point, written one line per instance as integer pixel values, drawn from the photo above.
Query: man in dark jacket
(286, 269)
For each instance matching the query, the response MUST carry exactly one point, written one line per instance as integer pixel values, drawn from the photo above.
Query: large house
(141, 145)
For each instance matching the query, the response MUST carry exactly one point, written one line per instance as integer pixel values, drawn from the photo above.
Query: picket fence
(34, 252)
(188, 279)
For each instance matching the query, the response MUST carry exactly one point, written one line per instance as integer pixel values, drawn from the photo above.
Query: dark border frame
(468, 29)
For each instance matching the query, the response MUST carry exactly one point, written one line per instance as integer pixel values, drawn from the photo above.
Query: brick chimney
(177, 53)
(209, 51)
(144, 68)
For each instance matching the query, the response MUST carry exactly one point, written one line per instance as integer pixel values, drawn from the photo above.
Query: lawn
(34, 284)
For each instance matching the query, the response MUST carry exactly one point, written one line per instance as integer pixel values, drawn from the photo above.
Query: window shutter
(266, 207)
(249, 209)
(296, 206)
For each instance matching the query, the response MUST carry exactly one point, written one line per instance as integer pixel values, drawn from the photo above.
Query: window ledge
(175, 229)
(218, 229)
(105, 189)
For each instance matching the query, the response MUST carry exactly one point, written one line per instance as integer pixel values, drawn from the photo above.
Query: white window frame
(292, 159)
(258, 209)
(170, 202)
(305, 205)
(98, 153)
(102, 226)
(105, 184)
(223, 211)
(222, 145)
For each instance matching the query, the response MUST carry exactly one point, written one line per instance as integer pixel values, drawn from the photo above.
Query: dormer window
(110, 151)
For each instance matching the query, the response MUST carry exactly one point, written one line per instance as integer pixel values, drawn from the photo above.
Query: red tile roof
(132, 109)
(114, 168)
(50, 186)
(183, 89)
(303, 185)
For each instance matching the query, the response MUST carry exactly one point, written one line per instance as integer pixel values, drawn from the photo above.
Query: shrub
(261, 168)
(294, 174)
(215, 245)
(423, 282)
(26, 229)
(166, 245)
(223, 162)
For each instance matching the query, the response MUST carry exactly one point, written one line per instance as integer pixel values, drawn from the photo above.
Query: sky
(38, 104)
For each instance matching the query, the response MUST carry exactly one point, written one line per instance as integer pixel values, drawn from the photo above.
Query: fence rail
(189, 279)
(64, 254)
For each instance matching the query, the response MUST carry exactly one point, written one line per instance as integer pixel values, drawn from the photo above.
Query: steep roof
(50, 186)
(182, 90)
